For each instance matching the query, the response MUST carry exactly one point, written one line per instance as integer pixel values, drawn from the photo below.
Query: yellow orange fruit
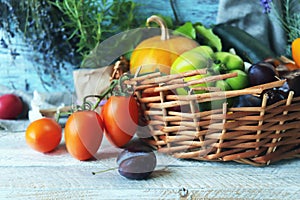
(296, 51)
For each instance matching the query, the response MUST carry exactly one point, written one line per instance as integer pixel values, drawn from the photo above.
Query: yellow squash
(159, 52)
(296, 51)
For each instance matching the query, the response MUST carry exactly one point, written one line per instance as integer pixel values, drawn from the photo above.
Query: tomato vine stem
(99, 97)
(116, 88)
(106, 170)
(120, 91)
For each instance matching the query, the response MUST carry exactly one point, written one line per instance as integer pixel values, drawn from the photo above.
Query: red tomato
(10, 106)
(83, 134)
(120, 116)
(43, 135)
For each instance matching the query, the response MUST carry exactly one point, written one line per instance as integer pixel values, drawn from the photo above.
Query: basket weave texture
(250, 135)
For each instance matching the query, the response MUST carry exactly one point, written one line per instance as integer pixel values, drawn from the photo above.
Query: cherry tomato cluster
(84, 129)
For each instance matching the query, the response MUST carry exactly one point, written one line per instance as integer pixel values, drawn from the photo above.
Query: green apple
(190, 60)
(185, 91)
(206, 51)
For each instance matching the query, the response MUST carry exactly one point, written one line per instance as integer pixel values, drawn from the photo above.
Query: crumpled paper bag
(91, 81)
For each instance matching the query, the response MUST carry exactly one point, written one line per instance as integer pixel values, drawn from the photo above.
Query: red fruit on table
(11, 106)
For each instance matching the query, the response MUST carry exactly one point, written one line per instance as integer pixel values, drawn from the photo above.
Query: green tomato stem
(120, 92)
(88, 106)
(106, 170)
(58, 115)
(101, 96)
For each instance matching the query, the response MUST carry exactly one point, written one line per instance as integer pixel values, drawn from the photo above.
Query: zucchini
(244, 44)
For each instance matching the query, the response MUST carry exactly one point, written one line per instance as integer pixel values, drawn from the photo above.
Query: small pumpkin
(159, 52)
(296, 51)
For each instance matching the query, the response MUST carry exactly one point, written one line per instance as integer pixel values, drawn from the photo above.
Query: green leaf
(207, 37)
(187, 30)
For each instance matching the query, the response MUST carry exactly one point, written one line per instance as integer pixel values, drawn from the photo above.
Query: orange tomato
(83, 134)
(120, 116)
(296, 51)
(43, 135)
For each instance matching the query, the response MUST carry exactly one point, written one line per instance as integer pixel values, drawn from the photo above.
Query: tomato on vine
(43, 135)
(120, 116)
(83, 134)
(119, 113)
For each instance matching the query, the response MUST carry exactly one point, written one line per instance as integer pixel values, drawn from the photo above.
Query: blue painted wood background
(21, 73)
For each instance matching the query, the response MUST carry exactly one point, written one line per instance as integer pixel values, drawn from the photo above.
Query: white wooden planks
(26, 174)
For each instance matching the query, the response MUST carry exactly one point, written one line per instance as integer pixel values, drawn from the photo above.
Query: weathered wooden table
(26, 174)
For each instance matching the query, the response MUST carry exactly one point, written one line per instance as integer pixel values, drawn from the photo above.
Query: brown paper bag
(91, 81)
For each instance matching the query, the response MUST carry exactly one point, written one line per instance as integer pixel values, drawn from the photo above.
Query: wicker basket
(251, 135)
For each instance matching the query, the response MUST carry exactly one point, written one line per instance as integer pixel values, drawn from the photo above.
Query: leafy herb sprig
(290, 20)
(92, 21)
(64, 30)
(288, 17)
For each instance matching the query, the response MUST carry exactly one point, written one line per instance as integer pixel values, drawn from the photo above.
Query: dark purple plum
(261, 73)
(136, 162)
